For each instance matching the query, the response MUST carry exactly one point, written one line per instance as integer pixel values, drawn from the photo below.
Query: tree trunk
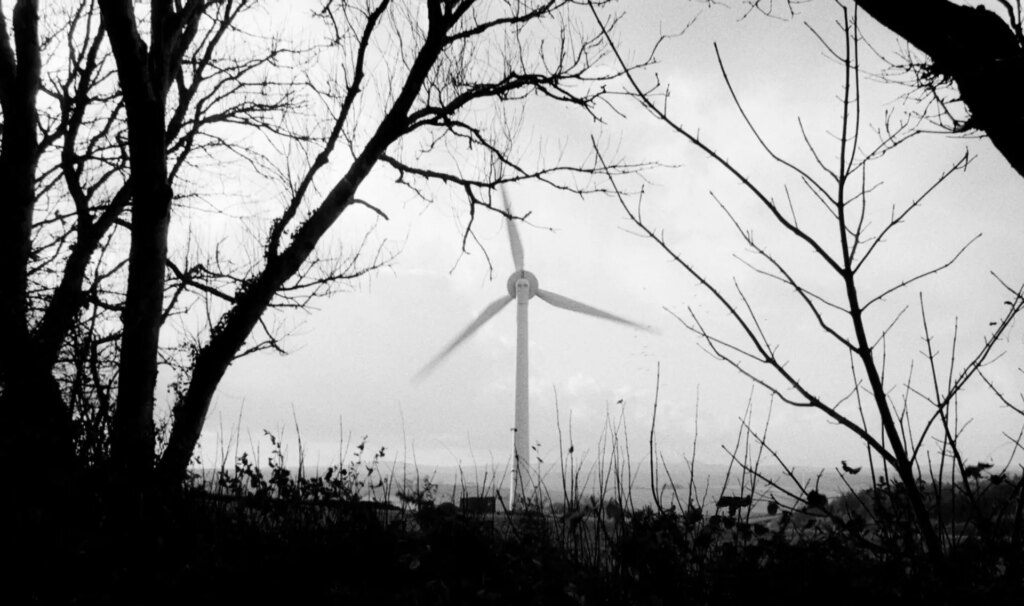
(132, 436)
(143, 75)
(19, 85)
(36, 423)
(975, 48)
(37, 433)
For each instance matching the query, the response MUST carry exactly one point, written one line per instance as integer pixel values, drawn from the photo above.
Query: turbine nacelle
(522, 276)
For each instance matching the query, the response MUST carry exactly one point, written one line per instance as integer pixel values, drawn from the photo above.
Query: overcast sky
(353, 358)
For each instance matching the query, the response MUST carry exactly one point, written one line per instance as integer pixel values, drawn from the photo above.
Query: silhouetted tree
(140, 103)
(62, 356)
(835, 223)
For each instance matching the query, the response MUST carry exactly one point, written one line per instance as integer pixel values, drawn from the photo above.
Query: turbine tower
(522, 286)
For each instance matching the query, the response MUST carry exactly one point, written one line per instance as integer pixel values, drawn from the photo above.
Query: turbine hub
(530, 279)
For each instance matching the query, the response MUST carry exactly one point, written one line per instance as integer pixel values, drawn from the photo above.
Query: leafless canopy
(176, 167)
(840, 223)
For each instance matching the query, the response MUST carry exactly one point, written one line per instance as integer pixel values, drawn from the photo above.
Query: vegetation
(114, 115)
(118, 121)
(359, 532)
(826, 235)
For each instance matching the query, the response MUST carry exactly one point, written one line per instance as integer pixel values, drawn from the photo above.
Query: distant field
(452, 483)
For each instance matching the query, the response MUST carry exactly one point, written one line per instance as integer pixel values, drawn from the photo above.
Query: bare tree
(73, 285)
(840, 222)
(144, 103)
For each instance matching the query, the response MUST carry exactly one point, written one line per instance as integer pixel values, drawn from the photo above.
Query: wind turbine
(522, 286)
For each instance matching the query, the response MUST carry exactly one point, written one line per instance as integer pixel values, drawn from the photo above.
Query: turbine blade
(572, 305)
(513, 233)
(484, 316)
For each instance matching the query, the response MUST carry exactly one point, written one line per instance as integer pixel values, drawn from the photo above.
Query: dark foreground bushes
(259, 550)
